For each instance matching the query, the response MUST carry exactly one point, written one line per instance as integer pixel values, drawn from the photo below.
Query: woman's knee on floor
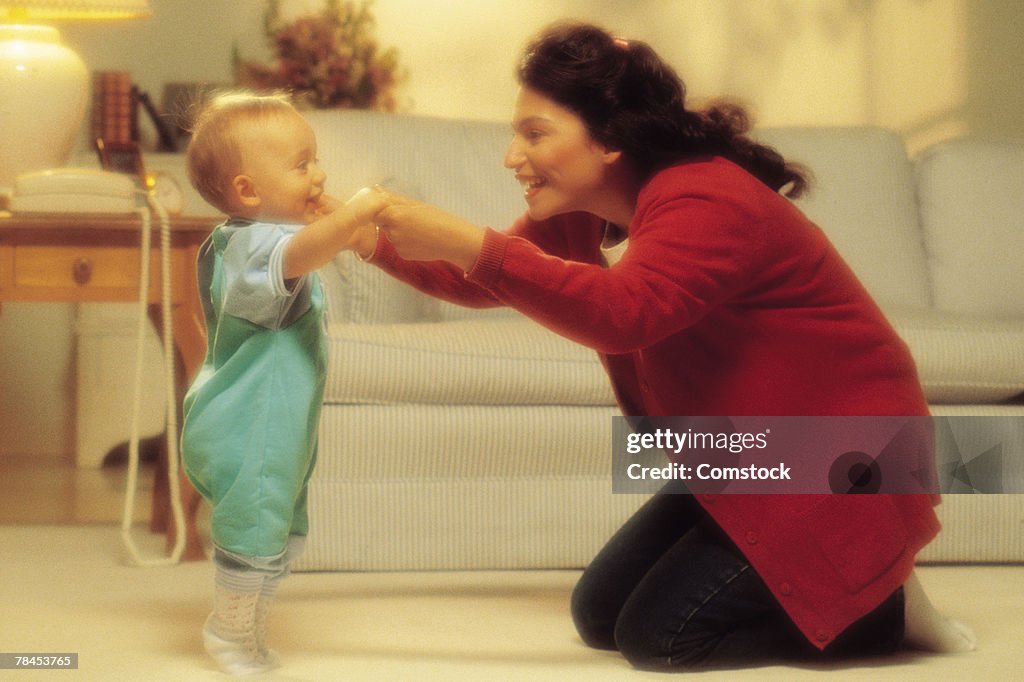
(652, 644)
(594, 621)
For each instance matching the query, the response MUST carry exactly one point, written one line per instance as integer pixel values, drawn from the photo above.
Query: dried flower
(326, 60)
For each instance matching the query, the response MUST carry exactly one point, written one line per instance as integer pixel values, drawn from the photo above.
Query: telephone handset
(74, 190)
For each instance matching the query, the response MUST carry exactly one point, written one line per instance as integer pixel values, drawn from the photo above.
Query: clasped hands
(416, 230)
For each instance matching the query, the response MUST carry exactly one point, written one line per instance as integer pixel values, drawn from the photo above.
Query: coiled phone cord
(154, 207)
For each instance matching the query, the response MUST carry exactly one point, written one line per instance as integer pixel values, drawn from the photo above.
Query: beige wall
(931, 69)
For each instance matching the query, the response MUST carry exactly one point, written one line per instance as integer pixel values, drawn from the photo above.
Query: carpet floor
(68, 589)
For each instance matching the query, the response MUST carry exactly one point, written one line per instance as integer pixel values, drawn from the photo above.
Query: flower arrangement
(326, 60)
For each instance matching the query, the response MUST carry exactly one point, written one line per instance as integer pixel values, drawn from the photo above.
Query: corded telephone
(74, 190)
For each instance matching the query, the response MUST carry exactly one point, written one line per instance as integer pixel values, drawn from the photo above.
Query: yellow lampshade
(21, 11)
(44, 85)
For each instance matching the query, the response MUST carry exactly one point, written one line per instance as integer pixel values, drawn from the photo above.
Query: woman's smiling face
(560, 166)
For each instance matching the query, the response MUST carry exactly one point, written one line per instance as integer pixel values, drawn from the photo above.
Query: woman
(725, 301)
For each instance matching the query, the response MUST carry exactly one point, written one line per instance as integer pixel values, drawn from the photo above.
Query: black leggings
(670, 591)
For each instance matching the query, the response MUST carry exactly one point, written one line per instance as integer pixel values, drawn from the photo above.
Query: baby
(249, 436)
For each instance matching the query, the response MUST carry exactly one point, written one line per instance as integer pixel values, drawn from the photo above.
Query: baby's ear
(243, 191)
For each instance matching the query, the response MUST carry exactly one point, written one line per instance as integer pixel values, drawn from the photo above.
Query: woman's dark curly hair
(632, 101)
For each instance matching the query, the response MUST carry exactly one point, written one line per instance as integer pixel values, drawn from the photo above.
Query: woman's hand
(365, 204)
(423, 232)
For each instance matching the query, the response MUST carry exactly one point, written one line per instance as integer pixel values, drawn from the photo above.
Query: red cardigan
(727, 302)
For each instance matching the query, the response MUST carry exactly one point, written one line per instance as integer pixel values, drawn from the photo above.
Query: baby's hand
(324, 205)
(366, 203)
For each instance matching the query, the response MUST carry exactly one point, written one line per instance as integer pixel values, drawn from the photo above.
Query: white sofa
(465, 439)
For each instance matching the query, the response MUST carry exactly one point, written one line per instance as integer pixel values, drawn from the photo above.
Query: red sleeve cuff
(491, 259)
(383, 252)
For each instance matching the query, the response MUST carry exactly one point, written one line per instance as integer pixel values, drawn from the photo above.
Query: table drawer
(58, 267)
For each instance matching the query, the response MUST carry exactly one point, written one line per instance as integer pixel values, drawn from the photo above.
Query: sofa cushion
(862, 197)
(964, 358)
(971, 196)
(358, 293)
(455, 165)
(489, 361)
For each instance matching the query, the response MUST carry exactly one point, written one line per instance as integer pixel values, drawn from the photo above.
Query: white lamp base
(45, 88)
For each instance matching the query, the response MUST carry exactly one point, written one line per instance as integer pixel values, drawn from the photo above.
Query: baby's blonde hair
(214, 154)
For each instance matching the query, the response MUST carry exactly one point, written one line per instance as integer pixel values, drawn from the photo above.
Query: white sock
(929, 630)
(263, 605)
(229, 634)
(268, 590)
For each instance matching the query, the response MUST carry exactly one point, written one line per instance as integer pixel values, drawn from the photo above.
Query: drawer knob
(82, 271)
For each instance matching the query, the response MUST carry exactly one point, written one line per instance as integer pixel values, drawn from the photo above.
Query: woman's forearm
(420, 232)
(438, 278)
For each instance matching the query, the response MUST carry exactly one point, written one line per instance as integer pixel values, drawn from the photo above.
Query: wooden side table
(93, 257)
